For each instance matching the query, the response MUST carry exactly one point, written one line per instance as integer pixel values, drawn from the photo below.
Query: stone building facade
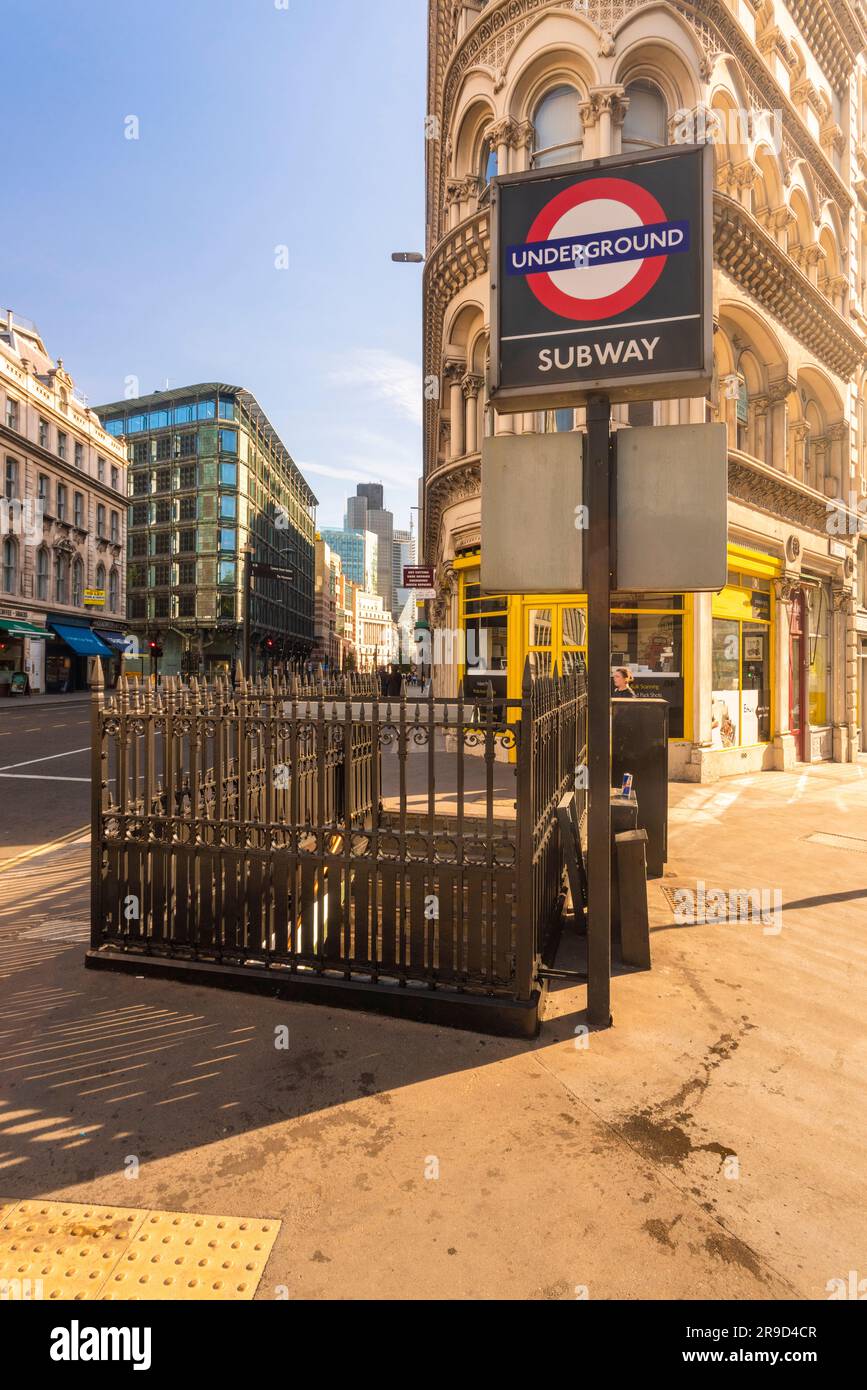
(63, 523)
(771, 670)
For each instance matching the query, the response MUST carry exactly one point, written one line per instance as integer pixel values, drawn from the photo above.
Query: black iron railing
(321, 829)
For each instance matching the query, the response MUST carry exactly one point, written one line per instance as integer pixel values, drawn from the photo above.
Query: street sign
(271, 572)
(670, 515)
(601, 280)
(418, 577)
(94, 598)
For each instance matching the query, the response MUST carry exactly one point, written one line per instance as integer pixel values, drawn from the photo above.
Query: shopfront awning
(116, 640)
(17, 627)
(82, 640)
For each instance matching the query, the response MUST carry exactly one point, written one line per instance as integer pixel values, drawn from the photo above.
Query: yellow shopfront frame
(733, 604)
(518, 607)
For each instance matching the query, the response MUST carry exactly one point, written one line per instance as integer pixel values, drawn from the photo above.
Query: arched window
(100, 576)
(113, 591)
(646, 120)
(77, 582)
(487, 162)
(61, 578)
(558, 128)
(42, 573)
(10, 565)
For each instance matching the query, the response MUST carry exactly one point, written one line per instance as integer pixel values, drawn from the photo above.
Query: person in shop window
(623, 684)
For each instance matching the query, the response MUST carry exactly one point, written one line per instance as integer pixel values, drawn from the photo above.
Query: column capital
(471, 385)
(454, 370)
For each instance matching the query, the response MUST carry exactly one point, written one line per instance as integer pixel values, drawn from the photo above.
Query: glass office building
(208, 476)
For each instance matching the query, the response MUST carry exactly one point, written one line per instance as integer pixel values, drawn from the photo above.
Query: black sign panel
(601, 280)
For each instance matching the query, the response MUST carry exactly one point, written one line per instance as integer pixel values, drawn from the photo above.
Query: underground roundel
(604, 278)
(604, 232)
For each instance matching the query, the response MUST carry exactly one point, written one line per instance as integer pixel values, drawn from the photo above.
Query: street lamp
(408, 257)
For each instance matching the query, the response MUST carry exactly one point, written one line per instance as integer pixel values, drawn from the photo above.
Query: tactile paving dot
(89, 1252)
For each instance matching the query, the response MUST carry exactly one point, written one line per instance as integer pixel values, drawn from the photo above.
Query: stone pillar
(785, 751)
(797, 456)
(700, 764)
(454, 374)
(759, 405)
(470, 387)
(778, 412)
(836, 475)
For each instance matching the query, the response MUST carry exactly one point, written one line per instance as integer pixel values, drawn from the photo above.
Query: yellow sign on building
(94, 598)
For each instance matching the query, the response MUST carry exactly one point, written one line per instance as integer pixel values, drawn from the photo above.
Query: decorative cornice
(765, 488)
(835, 34)
(752, 258)
(450, 483)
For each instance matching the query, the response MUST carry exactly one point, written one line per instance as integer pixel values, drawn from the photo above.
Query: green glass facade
(208, 475)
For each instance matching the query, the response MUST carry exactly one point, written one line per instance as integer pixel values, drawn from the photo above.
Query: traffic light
(155, 648)
(269, 644)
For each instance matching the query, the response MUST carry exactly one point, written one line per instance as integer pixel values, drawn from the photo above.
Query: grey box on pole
(531, 487)
(672, 519)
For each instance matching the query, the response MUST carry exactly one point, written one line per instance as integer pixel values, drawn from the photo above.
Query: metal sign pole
(599, 579)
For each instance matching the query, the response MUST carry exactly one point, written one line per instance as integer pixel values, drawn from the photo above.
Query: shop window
(648, 640)
(557, 128)
(819, 674)
(485, 626)
(741, 681)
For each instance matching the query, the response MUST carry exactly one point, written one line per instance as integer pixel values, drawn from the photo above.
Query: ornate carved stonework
(761, 487)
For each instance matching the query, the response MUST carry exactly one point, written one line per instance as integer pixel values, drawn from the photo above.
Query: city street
(44, 771)
(708, 1146)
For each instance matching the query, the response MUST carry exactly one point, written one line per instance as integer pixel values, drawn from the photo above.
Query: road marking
(43, 849)
(47, 759)
(38, 777)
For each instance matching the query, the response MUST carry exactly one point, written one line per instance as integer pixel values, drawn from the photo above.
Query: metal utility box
(640, 746)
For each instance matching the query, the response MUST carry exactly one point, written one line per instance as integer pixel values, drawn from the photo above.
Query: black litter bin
(640, 746)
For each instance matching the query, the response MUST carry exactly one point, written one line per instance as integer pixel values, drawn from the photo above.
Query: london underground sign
(601, 280)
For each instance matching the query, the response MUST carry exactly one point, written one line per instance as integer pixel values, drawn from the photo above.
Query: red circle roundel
(598, 205)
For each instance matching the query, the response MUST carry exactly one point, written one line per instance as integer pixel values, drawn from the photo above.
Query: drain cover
(856, 842)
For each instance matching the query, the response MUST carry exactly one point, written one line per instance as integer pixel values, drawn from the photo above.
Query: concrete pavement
(709, 1145)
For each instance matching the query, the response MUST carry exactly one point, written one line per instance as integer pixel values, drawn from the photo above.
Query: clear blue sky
(258, 127)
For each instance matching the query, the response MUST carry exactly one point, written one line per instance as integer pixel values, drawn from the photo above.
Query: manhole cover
(855, 842)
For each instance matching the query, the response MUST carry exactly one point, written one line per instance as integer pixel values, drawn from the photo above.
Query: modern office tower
(403, 553)
(366, 512)
(358, 551)
(62, 524)
(209, 477)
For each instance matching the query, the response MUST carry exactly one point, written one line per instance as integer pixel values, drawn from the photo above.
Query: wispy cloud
(386, 377)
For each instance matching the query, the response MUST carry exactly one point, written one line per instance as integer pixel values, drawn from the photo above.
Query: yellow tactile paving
(88, 1252)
